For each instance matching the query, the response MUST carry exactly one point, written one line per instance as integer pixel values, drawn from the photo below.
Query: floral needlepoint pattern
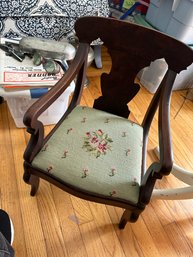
(83, 120)
(84, 173)
(69, 130)
(50, 169)
(124, 134)
(97, 142)
(127, 152)
(113, 193)
(44, 148)
(112, 172)
(134, 182)
(65, 154)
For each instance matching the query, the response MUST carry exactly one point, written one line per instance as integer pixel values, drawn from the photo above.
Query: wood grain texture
(56, 224)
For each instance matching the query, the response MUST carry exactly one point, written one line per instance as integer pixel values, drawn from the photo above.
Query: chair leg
(31, 180)
(128, 216)
(34, 182)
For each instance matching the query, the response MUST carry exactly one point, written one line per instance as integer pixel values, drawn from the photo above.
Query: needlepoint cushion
(97, 152)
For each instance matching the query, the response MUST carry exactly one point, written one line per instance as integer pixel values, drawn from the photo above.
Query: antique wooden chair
(97, 153)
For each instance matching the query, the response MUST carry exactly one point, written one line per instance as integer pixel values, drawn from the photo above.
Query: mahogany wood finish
(131, 48)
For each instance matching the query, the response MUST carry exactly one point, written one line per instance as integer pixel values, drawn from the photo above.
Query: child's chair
(97, 153)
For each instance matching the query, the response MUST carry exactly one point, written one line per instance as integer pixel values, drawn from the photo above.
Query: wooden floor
(55, 224)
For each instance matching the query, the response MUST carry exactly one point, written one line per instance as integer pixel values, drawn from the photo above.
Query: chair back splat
(131, 48)
(97, 153)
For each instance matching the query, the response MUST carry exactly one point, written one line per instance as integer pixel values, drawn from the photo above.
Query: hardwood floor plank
(82, 210)
(87, 99)
(69, 224)
(159, 235)
(142, 236)
(92, 240)
(179, 241)
(33, 233)
(111, 243)
(9, 193)
(50, 222)
(126, 237)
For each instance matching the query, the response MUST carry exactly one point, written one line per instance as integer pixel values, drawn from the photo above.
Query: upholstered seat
(108, 152)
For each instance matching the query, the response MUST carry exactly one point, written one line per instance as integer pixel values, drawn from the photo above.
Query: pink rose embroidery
(97, 142)
(50, 169)
(128, 151)
(113, 193)
(112, 172)
(83, 120)
(69, 130)
(65, 154)
(85, 173)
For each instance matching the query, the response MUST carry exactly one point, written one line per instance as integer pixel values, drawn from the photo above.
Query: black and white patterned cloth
(51, 19)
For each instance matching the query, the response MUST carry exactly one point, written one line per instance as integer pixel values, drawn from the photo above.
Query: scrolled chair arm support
(164, 167)
(34, 126)
(165, 143)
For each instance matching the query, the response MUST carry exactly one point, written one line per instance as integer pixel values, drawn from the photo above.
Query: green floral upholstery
(95, 151)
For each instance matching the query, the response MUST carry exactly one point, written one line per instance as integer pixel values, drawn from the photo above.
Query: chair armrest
(77, 66)
(165, 142)
(161, 97)
(77, 69)
(164, 166)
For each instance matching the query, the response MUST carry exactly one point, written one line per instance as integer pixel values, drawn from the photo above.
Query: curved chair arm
(46, 100)
(77, 69)
(165, 143)
(162, 97)
(164, 166)
(148, 183)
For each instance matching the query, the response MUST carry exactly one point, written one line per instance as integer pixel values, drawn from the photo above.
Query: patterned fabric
(95, 151)
(52, 19)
